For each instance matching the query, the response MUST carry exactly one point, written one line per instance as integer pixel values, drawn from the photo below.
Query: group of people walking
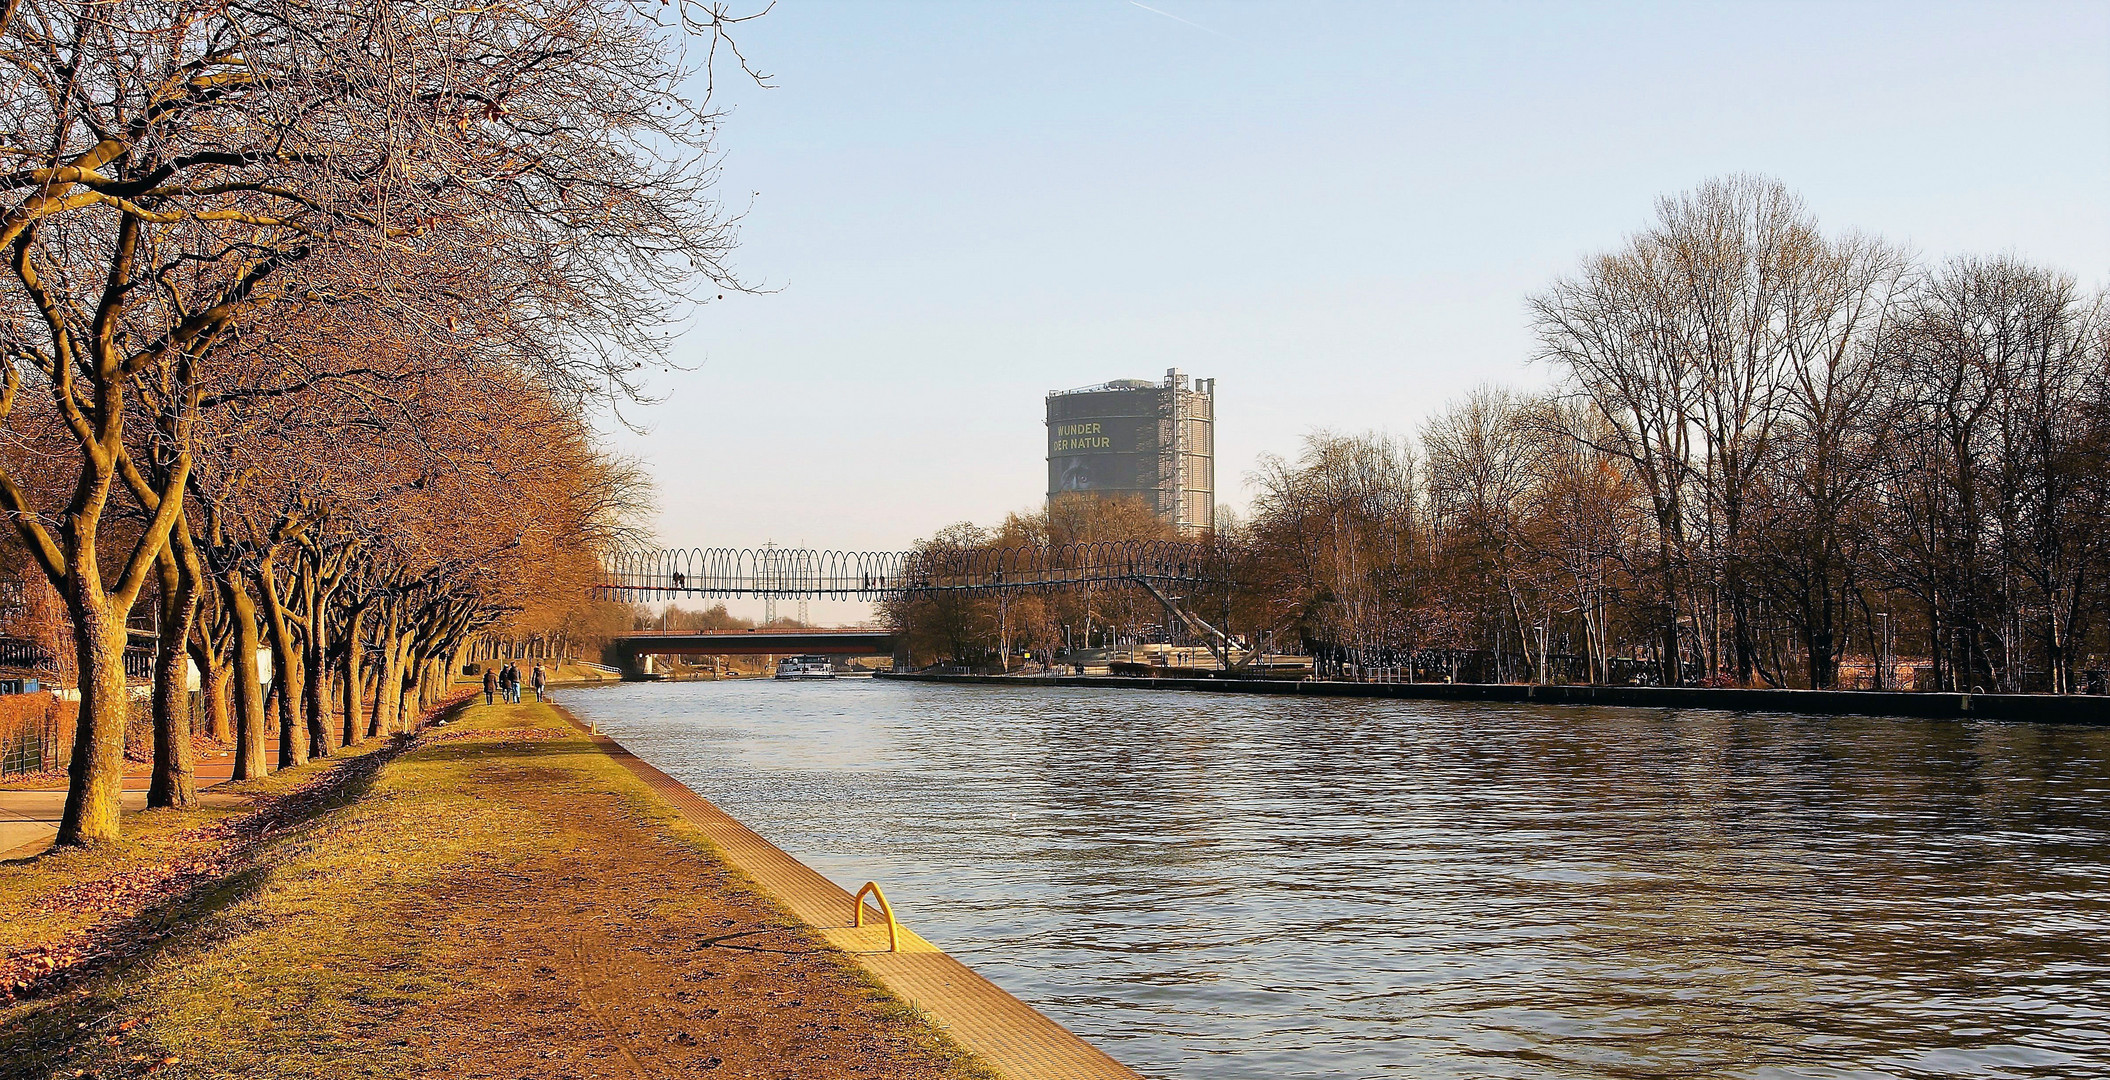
(506, 680)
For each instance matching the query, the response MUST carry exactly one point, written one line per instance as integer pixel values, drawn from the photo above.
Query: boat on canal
(805, 667)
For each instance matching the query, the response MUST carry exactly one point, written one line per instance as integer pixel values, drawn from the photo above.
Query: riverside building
(1156, 441)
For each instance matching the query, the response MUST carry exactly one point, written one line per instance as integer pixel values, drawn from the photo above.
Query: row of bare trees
(1771, 456)
(1770, 449)
(305, 303)
(984, 629)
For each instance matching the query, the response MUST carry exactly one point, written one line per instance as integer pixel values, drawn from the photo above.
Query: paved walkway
(1006, 1032)
(29, 820)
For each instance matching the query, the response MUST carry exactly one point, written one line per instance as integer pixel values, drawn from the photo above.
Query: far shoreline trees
(1769, 452)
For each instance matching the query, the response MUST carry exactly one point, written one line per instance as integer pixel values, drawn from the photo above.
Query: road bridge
(774, 641)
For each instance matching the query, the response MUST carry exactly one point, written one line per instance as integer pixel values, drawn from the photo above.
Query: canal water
(1216, 886)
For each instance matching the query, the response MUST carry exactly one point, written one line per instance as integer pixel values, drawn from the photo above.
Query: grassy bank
(497, 899)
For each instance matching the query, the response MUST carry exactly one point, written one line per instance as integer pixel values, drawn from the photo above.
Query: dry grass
(68, 890)
(503, 901)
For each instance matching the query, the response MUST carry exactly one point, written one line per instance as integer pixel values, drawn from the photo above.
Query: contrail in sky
(1175, 18)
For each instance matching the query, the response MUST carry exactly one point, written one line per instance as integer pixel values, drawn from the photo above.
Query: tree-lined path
(497, 897)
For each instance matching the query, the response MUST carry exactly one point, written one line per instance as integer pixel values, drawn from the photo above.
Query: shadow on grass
(731, 941)
(78, 1023)
(71, 1018)
(474, 750)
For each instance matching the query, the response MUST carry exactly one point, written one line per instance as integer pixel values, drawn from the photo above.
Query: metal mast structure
(1172, 459)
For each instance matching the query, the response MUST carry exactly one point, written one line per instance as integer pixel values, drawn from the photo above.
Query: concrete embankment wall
(2032, 708)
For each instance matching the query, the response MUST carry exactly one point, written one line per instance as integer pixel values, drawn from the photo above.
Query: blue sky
(1337, 210)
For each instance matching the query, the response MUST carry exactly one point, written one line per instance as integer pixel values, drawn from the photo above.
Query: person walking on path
(490, 683)
(509, 679)
(541, 682)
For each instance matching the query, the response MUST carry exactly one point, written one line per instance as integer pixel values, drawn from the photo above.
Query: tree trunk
(315, 654)
(287, 663)
(405, 688)
(212, 682)
(315, 699)
(96, 776)
(387, 685)
(285, 710)
(350, 676)
(1673, 659)
(292, 741)
(424, 687)
(250, 760)
(174, 780)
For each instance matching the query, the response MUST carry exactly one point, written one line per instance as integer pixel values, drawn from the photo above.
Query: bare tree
(182, 170)
(1992, 499)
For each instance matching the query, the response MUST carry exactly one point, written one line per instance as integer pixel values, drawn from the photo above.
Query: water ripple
(1245, 887)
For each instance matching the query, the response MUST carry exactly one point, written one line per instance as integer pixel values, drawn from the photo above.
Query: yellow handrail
(892, 927)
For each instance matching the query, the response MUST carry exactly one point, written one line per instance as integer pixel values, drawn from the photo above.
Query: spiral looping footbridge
(804, 573)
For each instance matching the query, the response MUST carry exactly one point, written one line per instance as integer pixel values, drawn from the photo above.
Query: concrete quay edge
(2024, 708)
